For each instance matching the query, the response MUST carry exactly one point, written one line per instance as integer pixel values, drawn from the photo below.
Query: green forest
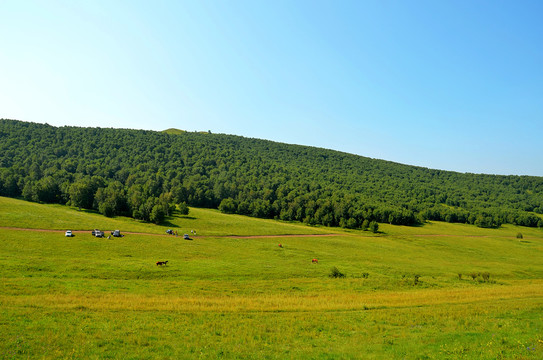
(147, 175)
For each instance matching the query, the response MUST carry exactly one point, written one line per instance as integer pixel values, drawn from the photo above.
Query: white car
(69, 233)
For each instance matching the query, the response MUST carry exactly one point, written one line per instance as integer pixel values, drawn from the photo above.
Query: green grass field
(438, 291)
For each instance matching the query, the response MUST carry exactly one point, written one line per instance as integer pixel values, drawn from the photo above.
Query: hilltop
(146, 174)
(173, 131)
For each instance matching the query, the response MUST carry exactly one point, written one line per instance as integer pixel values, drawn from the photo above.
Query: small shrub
(473, 275)
(416, 279)
(183, 208)
(335, 273)
(365, 275)
(485, 276)
(374, 227)
(519, 236)
(459, 276)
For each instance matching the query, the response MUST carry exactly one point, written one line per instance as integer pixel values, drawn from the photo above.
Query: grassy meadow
(438, 291)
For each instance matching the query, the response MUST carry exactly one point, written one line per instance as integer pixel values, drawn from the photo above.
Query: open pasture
(439, 291)
(22, 214)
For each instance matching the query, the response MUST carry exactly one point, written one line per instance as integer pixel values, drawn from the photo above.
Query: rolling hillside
(143, 174)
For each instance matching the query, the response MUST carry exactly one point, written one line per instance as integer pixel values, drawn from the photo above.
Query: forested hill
(144, 173)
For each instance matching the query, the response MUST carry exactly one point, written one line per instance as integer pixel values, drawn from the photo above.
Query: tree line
(148, 175)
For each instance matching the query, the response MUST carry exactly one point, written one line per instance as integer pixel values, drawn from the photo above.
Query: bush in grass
(374, 226)
(519, 236)
(480, 277)
(183, 208)
(335, 273)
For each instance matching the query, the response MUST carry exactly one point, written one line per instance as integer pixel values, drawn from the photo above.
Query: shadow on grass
(169, 224)
(89, 211)
(187, 217)
(418, 225)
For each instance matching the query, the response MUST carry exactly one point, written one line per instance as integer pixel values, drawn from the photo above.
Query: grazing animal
(280, 245)
(160, 263)
(315, 261)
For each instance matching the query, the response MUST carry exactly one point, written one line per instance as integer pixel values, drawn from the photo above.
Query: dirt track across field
(152, 234)
(247, 236)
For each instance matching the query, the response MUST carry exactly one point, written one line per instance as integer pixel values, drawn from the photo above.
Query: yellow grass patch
(328, 301)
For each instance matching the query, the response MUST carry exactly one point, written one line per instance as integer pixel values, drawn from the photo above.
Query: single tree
(374, 226)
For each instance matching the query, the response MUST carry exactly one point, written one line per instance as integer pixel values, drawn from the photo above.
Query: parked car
(186, 237)
(97, 233)
(116, 233)
(69, 233)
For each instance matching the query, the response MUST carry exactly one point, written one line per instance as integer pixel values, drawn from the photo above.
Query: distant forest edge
(148, 174)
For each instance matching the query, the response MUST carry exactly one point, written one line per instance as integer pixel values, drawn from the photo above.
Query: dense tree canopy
(143, 174)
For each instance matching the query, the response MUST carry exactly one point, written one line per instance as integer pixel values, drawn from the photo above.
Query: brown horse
(160, 263)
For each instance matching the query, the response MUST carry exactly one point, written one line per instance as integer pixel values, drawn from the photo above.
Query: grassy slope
(23, 214)
(84, 297)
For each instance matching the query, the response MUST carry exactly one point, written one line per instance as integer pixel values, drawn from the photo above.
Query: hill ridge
(142, 173)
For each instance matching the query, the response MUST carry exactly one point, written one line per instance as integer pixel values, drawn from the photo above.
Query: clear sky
(454, 85)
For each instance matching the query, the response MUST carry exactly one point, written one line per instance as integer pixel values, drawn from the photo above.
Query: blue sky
(454, 85)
